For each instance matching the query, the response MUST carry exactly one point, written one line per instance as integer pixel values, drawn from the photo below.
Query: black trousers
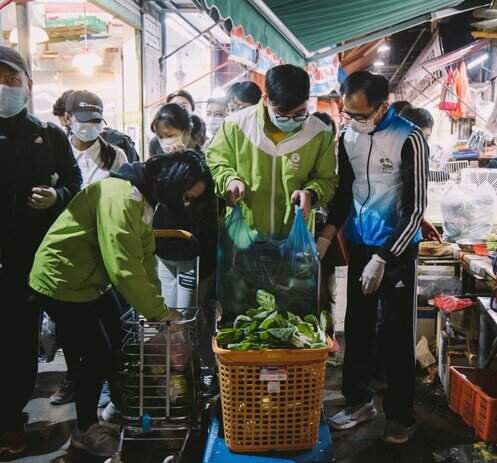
(19, 352)
(397, 294)
(91, 332)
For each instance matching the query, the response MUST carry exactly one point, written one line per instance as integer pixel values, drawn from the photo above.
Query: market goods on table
(467, 210)
(434, 249)
(467, 244)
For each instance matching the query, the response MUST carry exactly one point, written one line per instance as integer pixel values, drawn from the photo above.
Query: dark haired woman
(183, 98)
(172, 126)
(105, 237)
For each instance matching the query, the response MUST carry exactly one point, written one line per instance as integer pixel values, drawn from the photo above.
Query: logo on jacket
(387, 165)
(39, 140)
(294, 162)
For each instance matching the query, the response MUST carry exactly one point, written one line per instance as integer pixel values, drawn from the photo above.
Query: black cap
(85, 106)
(12, 58)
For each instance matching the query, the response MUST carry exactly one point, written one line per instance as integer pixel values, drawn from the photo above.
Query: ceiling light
(477, 61)
(379, 63)
(36, 35)
(383, 48)
(86, 62)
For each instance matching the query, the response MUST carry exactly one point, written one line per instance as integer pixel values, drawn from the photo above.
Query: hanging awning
(297, 30)
(454, 56)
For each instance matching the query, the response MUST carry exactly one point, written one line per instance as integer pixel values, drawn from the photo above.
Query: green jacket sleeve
(127, 246)
(221, 160)
(324, 178)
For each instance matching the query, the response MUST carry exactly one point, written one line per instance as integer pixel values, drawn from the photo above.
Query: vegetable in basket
(268, 328)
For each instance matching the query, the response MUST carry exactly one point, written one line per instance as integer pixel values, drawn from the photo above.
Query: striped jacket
(382, 189)
(304, 159)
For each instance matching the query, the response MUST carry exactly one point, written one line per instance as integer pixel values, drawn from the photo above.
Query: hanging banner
(243, 49)
(324, 75)
(266, 59)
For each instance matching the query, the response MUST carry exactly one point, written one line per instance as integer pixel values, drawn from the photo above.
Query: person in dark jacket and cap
(38, 179)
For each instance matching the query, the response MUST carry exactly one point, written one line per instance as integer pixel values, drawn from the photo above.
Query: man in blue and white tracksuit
(381, 198)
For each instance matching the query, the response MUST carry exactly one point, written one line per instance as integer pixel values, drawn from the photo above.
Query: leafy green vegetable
(267, 328)
(266, 300)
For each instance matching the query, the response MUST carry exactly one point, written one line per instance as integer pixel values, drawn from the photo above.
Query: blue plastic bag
(247, 262)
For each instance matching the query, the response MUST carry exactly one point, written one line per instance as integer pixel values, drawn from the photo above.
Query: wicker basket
(271, 399)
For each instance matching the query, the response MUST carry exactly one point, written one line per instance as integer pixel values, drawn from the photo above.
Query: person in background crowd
(96, 158)
(110, 135)
(38, 179)
(327, 119)
(400, 105)
(105, 237)
(59, 110)
(199, 132)
(216, 111)
(173, 125)
(241, 95)
(420, 117)
(274, 155)
(383, 170)
(424, 120)
(183, 98)
(328, 280)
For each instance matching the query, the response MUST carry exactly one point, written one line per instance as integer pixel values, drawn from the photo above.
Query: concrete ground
(50, 427)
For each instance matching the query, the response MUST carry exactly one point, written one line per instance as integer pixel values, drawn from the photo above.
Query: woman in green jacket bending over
(105, 237)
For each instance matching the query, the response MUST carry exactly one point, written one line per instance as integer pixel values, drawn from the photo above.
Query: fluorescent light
(383, 48)
(379, 63)
(477, 61)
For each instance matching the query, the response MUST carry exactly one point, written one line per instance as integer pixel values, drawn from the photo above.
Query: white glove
(322, 245)
(372, 275)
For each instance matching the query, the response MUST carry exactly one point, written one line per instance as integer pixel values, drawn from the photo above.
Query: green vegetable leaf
(306, 330)
(241, 321)
(325, 320)
(271, 321)
(266, 300)
(229, 336)
(283, 334)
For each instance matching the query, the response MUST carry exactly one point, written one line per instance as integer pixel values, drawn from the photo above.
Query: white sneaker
(96, 440)
(111, 414)
(352, 416)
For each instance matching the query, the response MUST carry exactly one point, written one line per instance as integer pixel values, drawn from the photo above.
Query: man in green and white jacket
(275, 155)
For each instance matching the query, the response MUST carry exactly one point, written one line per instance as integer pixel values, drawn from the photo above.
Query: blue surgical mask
(287, 126)
(12, 100)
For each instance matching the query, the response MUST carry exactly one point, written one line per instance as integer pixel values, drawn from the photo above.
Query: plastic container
(480, 249)
(271, 399)
(473, 395)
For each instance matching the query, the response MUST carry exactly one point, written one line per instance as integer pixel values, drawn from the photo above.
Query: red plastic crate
(473, 395)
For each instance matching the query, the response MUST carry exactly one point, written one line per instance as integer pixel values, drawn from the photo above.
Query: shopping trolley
(159, 377)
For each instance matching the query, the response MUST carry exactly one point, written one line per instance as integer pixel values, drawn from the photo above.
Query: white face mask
(86, 131)
(167, 144)
(12, 100)
(363, 127)
(213, 123)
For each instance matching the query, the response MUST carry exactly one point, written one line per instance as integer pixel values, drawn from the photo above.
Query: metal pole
(163, 36)
(163, 58)
(23, 33)
(452, 93)
(419, 91)
(1, 30)
(408, 54)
